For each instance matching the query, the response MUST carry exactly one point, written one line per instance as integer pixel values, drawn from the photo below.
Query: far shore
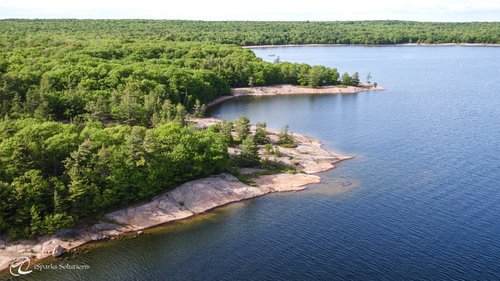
(374, 45)
(187, 200)
(277, 90)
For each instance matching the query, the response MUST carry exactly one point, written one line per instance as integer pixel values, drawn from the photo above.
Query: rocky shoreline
(277, 90)
(186, 200)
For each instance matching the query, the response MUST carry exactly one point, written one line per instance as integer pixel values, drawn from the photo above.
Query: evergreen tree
(346, 79)
(226, 129)
(129, 110)
(83, 192)
(355, 79)
(249, 151)
(98, 109)
(285, 139)
(16, 107)
(261, 134)
(180, 113)
(199, 109)
(242, 128)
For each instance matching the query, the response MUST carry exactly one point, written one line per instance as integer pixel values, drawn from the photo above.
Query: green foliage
(268, 148)
(53, 174)
(123, 92)
(261, 133)
(109, 79)
(322, 76)
(346, 79)
(242, 128)
(226, 129)
(245, 33)
(249, 153)
(123, 89)
(276, 152)
(355, 79)
(285, 139)
(199, 109)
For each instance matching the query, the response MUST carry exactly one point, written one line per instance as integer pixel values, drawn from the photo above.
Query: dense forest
(93, 112)
(92, 123)
(132, 82)
(255, 33)
(53, 174)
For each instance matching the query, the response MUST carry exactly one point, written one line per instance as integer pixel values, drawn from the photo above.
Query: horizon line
(243, 20)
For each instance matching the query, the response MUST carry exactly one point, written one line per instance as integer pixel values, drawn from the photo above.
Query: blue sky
(314, 10)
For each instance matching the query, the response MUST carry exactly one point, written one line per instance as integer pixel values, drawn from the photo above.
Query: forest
(132, 82)
(93, 113)
(91, 124)
(54, 174)
(246, 33)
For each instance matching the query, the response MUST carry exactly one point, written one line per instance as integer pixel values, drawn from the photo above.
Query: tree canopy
(131, 82)
(53, 174)
(246, 33)
(93, 112)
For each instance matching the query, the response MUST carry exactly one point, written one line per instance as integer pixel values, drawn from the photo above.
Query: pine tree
(242, 128)
(249, 150)
(226, 129)
(16, 107)
(346, 79)
(97, 109)
(355, 79)
(180, 113)
(285, 139)
(199, 109)
(261, 134)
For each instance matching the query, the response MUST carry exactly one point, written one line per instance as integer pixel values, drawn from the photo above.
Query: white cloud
(444, 10)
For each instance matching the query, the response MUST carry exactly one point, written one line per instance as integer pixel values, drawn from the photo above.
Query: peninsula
(303, 160)
(95, 119)
(279, 90)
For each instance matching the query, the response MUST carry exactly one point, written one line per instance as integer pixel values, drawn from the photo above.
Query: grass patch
(268, 168)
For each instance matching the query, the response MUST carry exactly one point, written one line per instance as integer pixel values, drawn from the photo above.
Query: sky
(291, 10)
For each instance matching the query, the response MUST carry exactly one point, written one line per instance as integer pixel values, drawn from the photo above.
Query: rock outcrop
(202, 195)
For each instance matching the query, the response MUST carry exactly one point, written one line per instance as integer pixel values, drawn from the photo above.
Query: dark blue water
(425, 198)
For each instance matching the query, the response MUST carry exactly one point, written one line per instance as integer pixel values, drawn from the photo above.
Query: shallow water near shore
(420, 200)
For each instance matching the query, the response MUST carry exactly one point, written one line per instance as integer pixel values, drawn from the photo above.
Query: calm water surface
(420, 201)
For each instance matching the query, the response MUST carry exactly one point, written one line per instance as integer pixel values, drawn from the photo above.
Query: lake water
(420, 201)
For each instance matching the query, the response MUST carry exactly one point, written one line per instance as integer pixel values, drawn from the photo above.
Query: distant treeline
(259, 33)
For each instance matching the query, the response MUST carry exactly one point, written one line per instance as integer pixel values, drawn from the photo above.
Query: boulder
(99, 236)
(58, 251)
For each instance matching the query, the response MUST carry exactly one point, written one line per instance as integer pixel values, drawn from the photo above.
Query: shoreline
(286, 89)
(185, 201)
(374, 45)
